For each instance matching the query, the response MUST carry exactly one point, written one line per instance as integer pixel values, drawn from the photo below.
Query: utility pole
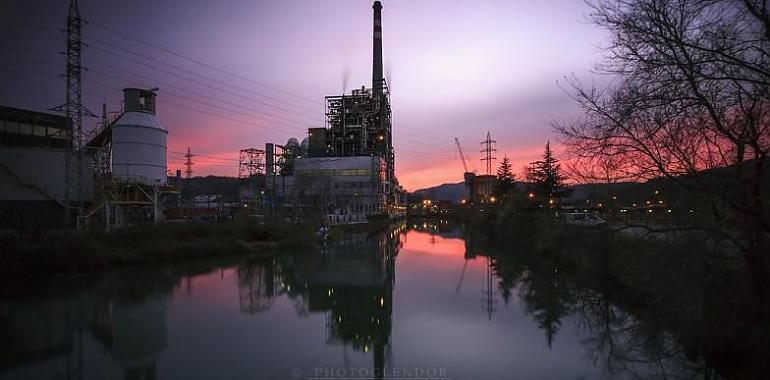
(74, 110)
(488, 150)
(188, 163)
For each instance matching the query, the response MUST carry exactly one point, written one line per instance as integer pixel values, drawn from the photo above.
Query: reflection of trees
(629, 335)
(256, 286)
(547, 297)
(548, 300)
(621, 343)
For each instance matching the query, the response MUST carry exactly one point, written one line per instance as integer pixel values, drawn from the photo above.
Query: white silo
(139, 140)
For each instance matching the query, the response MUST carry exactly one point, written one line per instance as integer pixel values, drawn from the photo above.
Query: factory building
(345, 170)
(34, 149)
(122, 178)
(131, 156)
(478, 188)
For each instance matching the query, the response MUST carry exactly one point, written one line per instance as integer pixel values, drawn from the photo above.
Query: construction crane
(462, 156)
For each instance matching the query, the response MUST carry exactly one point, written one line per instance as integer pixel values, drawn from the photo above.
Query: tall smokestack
(377, 48)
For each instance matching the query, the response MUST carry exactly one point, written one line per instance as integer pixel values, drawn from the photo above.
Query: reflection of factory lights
(531, 195)
(382, 302)
(462, 201)
(493, 199)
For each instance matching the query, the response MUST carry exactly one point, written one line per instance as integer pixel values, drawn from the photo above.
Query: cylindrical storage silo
(139, 141)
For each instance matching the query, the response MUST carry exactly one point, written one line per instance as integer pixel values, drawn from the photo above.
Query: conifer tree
(546, 177)
(505, 179)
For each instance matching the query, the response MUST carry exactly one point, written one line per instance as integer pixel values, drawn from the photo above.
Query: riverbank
(689, 289)
(70, 253)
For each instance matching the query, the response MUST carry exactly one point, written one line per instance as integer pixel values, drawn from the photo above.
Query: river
(410, 302)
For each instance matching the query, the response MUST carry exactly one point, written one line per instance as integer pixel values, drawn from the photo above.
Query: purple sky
(456, 69)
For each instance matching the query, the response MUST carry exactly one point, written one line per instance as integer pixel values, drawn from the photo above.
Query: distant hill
(453, 192)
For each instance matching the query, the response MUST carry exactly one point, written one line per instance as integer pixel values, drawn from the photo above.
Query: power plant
(344, 171)
(55, 175)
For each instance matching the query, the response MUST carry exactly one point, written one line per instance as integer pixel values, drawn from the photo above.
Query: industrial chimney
(377, 78)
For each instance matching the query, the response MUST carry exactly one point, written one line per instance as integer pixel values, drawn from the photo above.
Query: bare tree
(690, 102)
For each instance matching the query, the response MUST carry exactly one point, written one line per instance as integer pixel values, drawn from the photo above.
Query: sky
(235, 74)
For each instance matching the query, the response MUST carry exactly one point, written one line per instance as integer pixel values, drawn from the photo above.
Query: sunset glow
(455, 70)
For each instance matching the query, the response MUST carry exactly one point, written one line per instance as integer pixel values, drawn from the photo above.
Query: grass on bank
(87, 252)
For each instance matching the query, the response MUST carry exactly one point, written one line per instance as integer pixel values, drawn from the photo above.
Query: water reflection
(352, 285)
(257, 283)
(457, 303)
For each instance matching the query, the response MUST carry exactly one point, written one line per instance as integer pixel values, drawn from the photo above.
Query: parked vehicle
(583, 219)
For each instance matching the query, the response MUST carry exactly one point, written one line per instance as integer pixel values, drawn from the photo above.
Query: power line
(199, 62)
(198, 82)
(213, 99)
(197, 75)
(163, 101)
(401, 150)
(235, 75)
(422, 143)
(196, 101)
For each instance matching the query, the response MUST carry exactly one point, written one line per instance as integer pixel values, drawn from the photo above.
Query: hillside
(453, 192)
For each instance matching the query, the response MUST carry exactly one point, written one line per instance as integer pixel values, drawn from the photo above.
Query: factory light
(531, 195)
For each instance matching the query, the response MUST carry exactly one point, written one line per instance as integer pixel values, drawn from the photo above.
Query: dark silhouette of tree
(691, 104)
(548, 300)
(506, 180)
(547, 178)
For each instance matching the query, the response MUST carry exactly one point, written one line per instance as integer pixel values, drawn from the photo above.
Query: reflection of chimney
(377, 47)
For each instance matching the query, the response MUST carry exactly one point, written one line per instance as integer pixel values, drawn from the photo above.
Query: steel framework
(251, 162)
(488, 150)
(188, 163)
(73, 108)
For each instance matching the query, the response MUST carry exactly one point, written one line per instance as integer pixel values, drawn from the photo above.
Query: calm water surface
(406, 302)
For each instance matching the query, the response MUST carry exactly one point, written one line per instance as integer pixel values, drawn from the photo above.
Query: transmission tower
(251, 162)
(489, 298)
(74, 110)
(488, 150)
(188, 163)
